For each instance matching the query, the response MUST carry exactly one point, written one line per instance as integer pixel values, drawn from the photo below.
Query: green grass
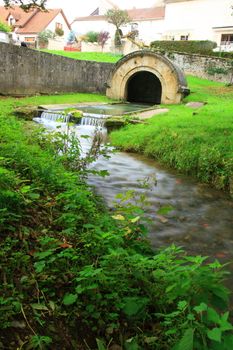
(194, 141)
(87, 56)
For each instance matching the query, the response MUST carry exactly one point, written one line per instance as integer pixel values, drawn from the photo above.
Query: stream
(201, 219)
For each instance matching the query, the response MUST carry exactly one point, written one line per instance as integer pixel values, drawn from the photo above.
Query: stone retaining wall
(26, 71)
(212, 68)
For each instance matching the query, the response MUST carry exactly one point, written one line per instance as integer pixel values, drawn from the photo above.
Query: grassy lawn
(87, 56)
(194, 141)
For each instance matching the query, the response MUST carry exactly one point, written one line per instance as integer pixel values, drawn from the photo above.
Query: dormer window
(58, 25)
(11, 20)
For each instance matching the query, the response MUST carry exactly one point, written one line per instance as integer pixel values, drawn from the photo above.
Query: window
(11, 21)
(184, 37)
(226, 39)
(58, 26)
(134, 26)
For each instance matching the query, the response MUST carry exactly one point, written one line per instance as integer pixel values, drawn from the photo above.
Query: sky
(77, 8)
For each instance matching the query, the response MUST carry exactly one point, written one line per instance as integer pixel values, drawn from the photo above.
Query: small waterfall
(93, 119)
(55, 116)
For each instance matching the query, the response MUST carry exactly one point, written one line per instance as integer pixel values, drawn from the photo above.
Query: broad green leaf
(182, 304)
(200, 308)
(212, 315)
(215, 334)
(39, 307)
(133, 305)
(224, 324)
(100, 344)
(69, 299)
(135, 219)
(132, 344)
(186, 342)
(118, 217)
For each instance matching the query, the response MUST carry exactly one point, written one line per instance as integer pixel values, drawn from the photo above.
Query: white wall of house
(83, 27)
(59, 19)
(197, 18)
(150, 30)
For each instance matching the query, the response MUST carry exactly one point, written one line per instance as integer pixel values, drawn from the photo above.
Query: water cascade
(55, 116)
(93, 119)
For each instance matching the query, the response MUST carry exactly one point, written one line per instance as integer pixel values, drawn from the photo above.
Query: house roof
(33, 21)
(144, 14)
(147, 13)
(20, 16)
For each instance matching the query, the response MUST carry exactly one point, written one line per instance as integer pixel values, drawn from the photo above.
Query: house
(199, 20)
(147, 21)
(27, 25)
(170, 20)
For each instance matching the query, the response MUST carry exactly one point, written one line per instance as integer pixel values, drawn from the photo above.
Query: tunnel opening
(144, 87)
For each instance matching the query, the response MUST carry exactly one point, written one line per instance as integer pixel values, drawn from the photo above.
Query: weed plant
(74, 276)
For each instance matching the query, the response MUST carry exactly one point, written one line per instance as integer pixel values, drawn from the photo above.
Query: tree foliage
(27, 4)
(118, 18)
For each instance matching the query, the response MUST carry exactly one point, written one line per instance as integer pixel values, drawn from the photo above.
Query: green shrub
(188, 46)
(92, 37)
(59, 31)
(4, 28)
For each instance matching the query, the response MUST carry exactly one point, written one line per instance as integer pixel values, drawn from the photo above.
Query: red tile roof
(147, 13)
(32, 22)
(144, 14)
(20, 16)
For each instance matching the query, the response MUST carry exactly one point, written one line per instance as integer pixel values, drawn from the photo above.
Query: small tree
(102, 38)
(43, 37)
(118, 18)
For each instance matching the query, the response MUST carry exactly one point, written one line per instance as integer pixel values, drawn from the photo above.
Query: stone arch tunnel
(146, 77)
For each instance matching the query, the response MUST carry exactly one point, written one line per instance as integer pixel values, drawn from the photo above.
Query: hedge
(189, 46)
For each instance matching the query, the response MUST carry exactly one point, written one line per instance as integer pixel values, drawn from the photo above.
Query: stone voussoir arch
(163, 80)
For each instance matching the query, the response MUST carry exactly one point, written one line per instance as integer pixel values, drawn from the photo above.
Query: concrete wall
(25, 71)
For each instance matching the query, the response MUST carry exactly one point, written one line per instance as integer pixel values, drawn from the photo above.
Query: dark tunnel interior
(144, 87)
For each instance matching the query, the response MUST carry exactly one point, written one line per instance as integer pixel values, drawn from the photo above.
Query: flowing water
(201, 219)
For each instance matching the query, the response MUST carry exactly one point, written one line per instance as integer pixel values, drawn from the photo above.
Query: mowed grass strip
(194, 141)
(87, 56)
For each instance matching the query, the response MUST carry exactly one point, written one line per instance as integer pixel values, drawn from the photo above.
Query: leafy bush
(4, 28)
(188, 46)
(92, 37)
(59, 31)
(45, 36)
